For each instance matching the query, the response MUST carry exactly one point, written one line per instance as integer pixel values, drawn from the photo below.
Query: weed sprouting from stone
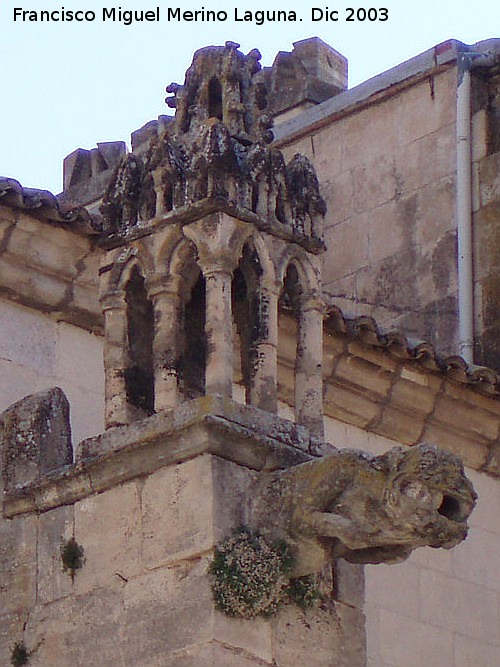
(303, 592)
(72, 556)
(251, 577)
(20, 655)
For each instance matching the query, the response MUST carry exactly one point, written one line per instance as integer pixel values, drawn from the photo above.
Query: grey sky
(67, 84)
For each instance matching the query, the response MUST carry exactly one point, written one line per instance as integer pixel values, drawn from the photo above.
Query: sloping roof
(42, 204)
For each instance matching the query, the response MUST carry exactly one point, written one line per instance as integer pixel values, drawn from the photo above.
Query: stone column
(308, 365)
(263, 391)
(219, 331)
(219, 240)
(114, 308)
(166, 297)
(159, 190)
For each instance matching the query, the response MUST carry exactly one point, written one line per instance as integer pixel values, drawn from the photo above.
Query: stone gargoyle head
(364, 508)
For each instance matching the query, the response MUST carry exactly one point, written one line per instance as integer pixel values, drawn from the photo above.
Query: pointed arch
(215, 104)
(261, 248)
(300, 340)
(254, 309)
(190, 335)
(139, 370)
(182, 261)
(308, 276)
(124, 262)
(247, 316)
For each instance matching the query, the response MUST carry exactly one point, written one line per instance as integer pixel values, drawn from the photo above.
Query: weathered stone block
(350, 240)
(367, 131)
(459, 606)
(83, 630)
(28, 339)
(212, 654)
(468, 418)
(490, 179)
(157, 628)
(414, 643)
(374, 380)
(35, 437)
(349, 583)
(108, 527)
(17, 564)
(349, 405)
(336, 632)
(338, 190)
(469, 652)
(11, 631)
(401, 580)
(182, 524)
(401, 425)
(252, 637)
(55, 528)
(466, 447)
(435, 108)
(477, 559)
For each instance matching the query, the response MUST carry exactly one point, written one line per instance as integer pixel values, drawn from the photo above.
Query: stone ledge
(209, 425)
(213, 204)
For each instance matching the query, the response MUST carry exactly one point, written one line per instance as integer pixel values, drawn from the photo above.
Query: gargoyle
(364, 508)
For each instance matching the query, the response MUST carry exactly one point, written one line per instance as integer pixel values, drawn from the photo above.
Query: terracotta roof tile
(365, 330)
(43, 205)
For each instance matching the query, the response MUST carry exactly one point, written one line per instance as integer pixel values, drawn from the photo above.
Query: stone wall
(387, 172)
(47, 266)
(38, 352)
(486, 219)
(439, 607)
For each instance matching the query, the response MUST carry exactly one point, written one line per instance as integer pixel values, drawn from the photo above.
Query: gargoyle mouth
(454, 509)
(450, 508)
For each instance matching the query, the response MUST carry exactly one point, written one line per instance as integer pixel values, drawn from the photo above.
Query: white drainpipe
(464, 211)
(466, 61)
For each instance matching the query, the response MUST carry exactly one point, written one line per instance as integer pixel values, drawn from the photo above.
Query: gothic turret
(208, 232)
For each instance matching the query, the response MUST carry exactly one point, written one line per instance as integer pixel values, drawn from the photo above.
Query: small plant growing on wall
(251, 577)
(303, 592)
(72, 556)
(20, 655)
